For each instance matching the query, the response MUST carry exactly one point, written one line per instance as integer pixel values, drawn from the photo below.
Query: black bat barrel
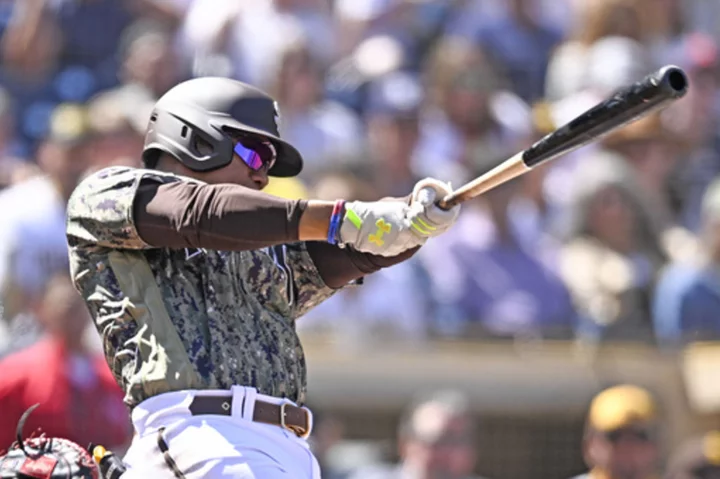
(624, 106)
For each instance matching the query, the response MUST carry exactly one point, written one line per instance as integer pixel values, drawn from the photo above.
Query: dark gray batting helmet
(213, 109)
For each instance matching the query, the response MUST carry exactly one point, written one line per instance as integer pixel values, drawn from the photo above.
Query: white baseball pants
(214, 446)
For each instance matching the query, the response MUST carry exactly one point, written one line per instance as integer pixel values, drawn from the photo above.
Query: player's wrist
(315, 221)
(336, 219)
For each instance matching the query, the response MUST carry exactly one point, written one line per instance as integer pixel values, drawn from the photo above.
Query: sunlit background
(599, 269)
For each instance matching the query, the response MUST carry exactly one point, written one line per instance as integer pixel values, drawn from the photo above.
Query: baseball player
(195, 278)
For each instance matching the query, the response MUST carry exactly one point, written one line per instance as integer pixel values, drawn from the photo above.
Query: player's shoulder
(120, 176)
(119, 181)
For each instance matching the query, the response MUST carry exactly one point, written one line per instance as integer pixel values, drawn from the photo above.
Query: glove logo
(382, 228)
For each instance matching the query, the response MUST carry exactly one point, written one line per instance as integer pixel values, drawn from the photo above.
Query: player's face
(450, 455)
(625, 453)
(252, 159)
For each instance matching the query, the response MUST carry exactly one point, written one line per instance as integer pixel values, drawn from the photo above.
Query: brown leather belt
(288, 416)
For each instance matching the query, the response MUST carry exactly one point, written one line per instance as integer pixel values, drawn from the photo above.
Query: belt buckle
(293, 429)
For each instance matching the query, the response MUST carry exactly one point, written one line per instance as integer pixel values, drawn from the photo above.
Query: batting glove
(380, 227)
(427, 218)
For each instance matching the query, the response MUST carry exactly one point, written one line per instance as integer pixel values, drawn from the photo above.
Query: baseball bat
(626, 105)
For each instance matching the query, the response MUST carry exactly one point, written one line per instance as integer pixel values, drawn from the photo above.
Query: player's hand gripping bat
(629, 104)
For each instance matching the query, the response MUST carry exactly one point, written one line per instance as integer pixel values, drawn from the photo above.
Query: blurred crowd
(618, 241)
(624, 437)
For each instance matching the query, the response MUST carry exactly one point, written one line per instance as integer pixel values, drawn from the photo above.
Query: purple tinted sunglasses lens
(250, 157)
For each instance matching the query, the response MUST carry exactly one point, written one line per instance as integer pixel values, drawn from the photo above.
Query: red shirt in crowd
(78, 396)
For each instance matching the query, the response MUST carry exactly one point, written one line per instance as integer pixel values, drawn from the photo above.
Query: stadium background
(592, 271)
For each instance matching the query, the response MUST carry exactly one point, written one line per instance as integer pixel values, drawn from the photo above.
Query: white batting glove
(428, 219)
(380, 227)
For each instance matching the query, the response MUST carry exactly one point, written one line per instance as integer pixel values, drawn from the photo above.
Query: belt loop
(238, 401)
(248, 410)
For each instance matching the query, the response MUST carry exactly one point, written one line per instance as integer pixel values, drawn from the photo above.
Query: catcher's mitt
(46, 458)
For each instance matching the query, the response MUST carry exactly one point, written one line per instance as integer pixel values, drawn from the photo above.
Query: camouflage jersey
(187, 319)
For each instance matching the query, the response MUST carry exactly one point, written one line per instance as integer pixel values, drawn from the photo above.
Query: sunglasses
(257, 154)
(639, 435)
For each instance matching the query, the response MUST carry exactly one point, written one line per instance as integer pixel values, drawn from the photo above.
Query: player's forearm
(338, 267)
(224, 217)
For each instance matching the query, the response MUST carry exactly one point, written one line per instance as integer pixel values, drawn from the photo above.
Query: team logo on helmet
(276, 116)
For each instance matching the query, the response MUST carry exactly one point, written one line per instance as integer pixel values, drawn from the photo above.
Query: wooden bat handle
(504, 172)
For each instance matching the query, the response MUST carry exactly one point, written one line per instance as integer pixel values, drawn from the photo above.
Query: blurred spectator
(520, 42)
(11, 151)
(245, 40)
(328, 433)
(413, 26)
(613, 254)
(31, 55)
(78, 396)
(149, 64)
(322, 130)
(91, 31)
(694, 122)
(116, 122)
(621, 439)
(651, 150)
(469, 116)
(696, 458)
(436, 441)
(393, 122)
(32, 219)
(598, 19)
(488, 280)
(687, 298)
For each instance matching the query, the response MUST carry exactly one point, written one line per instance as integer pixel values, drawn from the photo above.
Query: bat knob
(426, 196)
(673, 80)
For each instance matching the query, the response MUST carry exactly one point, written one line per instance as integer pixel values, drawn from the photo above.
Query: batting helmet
(211, 109)
(46, 458)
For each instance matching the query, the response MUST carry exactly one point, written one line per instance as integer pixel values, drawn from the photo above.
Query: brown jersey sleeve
(234, 218)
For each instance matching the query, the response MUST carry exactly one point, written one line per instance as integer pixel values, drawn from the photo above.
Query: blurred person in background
(598, 19)
(696, 458)
(651, 150)
(328, 433)
(60, 51)
(322, 130)
(246, 40)
(609, 63)
(612, 254)
(32, 222)
(91, 31)
(116, 120)
(489, 276)
(694, 121)
(392, 115)
(149, 63)
(413, 26)
(520, 41)
(687, 297)
(622, 435)
(436, 440)
(12, 161)
(31, 47)
(79, 399)
(470, 115)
